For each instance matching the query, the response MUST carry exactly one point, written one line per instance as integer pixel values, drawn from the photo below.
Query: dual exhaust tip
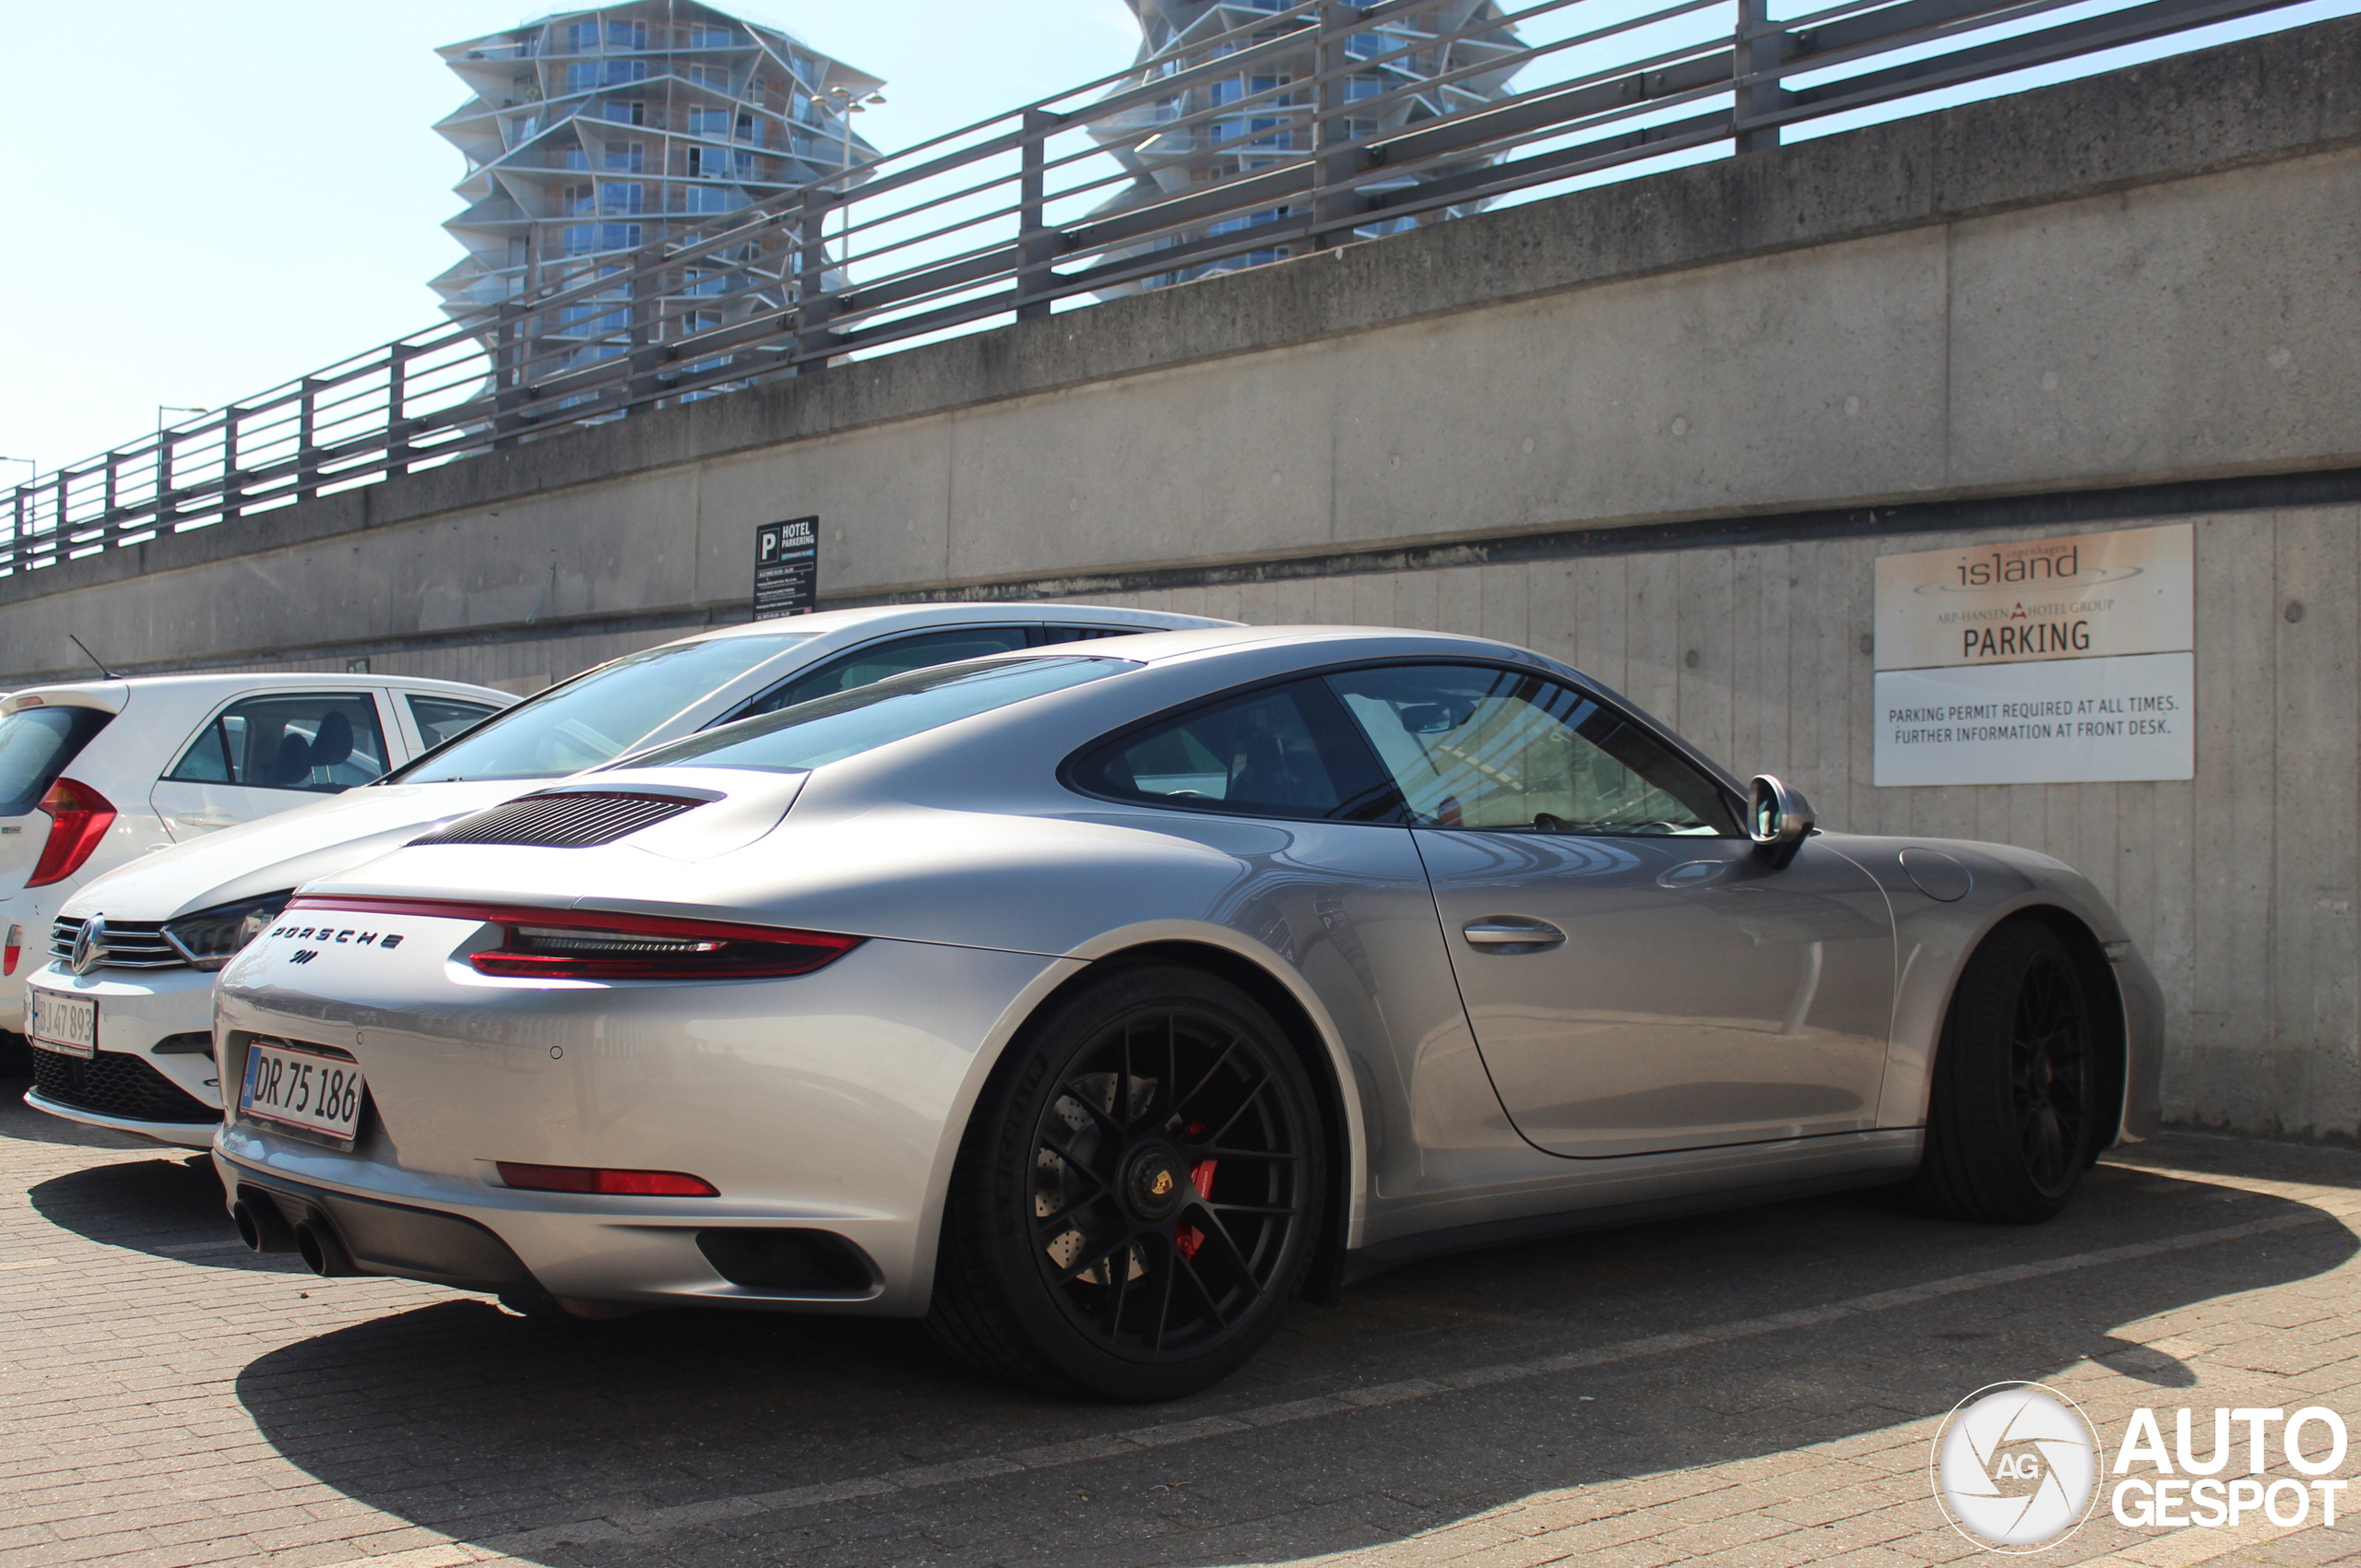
(264, 1226)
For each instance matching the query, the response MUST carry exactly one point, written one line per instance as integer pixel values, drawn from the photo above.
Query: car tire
(1135, 1203)
(15, 1056)
(2011, 1120)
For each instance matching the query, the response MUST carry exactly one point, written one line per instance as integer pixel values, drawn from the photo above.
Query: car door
(1637, 979)
(269, 751)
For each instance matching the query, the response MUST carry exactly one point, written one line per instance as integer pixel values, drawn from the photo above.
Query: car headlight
(210, 938)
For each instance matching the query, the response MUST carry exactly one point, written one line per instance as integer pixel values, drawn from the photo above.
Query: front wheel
(2010, 1124)
(1135, 1202)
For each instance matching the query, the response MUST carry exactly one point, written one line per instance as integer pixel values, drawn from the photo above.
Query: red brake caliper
(1188, 1238)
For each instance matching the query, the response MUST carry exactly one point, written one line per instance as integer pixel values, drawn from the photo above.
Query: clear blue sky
(254, 189)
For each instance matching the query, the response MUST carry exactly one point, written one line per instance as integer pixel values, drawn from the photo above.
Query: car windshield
(596, 715)
(832, 727)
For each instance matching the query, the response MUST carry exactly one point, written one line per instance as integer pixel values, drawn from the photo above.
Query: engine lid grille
(570, 820)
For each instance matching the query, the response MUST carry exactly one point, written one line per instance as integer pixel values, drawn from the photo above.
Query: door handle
(199, 819)
(1511, 934)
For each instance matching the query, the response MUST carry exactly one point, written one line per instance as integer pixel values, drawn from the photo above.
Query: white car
(95, 774)
(125, 1006)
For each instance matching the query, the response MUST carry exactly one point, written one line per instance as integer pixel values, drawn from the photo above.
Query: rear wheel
(1134, 1204)
(2013, 1118)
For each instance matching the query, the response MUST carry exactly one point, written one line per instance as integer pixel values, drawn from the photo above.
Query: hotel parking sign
(787, 567)
(2038, 661)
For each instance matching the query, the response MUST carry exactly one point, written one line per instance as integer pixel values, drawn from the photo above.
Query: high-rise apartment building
(590, 133)
(1409, 78)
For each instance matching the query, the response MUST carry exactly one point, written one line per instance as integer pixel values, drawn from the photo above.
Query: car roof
(893, 617)
(110, 695)
(1159, 648)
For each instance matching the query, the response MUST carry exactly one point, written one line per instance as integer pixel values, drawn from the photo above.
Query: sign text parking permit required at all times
(787, 567)
(2064, 661)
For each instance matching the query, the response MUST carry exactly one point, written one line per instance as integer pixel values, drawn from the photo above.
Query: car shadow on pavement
(477, 1424)
(169, 1206)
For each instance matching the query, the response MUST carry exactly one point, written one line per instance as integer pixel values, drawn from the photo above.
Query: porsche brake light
(592, 944)
(612, 1183)
(79, 817)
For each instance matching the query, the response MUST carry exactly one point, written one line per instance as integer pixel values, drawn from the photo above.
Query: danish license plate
(67, 1025)
(301, 1089)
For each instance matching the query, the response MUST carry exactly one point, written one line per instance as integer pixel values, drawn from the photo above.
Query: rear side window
(320, 741)
(1280, 751)
(36, 745)
(441, 718)
(898, 657)
(830, 729)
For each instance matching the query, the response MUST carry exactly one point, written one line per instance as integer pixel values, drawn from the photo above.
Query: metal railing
(1012, 217)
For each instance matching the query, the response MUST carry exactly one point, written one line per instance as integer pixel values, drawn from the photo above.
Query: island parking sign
(787, 567)
(2066, 661)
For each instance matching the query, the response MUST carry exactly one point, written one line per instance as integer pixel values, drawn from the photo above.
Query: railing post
(307, 445)
(396, 405)
(507, 375)
(1037, 247)
(813, 304)
(164, 507)
(1757, 53)
(232, 488)
(647, 300)
(1333, 157)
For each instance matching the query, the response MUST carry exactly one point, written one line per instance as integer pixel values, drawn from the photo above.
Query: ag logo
(2016, 1467)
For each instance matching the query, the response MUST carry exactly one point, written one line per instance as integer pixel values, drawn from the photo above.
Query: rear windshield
(36, 745)
(832, 727)
(597, 714)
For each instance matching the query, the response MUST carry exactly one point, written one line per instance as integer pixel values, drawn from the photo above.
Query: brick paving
(1756, 1390)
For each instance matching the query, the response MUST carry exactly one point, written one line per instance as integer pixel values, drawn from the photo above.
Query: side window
(878, 661)
(442, 718)
(1088, 634)
(1474, 746)
(1281, 751)
(322, 741)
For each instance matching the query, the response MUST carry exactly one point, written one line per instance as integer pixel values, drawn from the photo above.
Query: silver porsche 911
(1095, 1003)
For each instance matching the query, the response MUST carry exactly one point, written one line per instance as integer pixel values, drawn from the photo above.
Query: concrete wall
(1661, 429)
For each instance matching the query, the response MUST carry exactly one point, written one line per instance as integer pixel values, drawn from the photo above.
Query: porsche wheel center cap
(1156, 1181)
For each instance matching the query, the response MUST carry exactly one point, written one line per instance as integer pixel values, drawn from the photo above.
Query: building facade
(1408, 79)
(590, 133)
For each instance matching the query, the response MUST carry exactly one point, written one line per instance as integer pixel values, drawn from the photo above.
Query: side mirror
(1778, 820)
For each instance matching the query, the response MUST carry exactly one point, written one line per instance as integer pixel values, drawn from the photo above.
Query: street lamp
(163, 408)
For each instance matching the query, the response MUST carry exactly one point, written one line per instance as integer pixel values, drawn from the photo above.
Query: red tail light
(14, 950)
(590, 945)
(79, 817)
(618, 1183)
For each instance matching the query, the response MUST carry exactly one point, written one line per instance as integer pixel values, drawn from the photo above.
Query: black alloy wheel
(2013, 1121)
(1135, 1203)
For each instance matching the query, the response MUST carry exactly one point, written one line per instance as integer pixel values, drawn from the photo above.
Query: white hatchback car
(94, 774)
(126, 1003)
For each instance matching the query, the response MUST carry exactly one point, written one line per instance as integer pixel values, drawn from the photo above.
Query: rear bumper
(825, 1108)
(645, 1252)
